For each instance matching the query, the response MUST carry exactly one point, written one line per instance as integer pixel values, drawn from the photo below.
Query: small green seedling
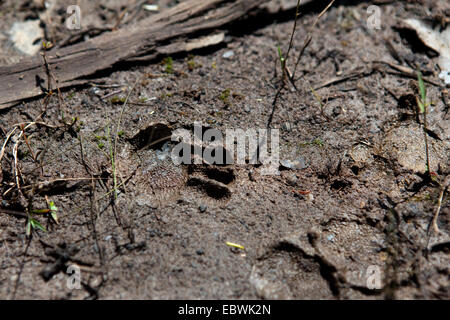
(117, 100)
(192, 64)
(46, 45)
(53, 210)
(282, 59)
(168, 64)
(225, 97)
(71, 96)
(318, 142)
(33, 223)
(422, 101)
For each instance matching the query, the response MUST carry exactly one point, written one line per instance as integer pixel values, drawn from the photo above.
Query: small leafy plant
(168, 64)
(422, 101)
(225, 97)
(32, 223)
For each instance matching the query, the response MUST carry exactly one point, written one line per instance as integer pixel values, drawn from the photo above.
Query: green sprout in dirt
(71, 96)
(225, 97)
(53, 209)
(282, 62)
(423, 103)
(32, 223)
(46, 45)
(168, 64)
(101, 140)
(192, 64)
(166, 95)
(117, 100)
(316, 142)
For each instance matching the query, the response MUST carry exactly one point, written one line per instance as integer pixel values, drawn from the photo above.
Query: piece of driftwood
(190, 25)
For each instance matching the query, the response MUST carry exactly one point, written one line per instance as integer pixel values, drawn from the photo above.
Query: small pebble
(202, 208)
(151, 7)
(26, 35)
(251, 175)
(292, 180)
(286, 126)
(445, 75)
(94, 91)
(164, 220)
(297, 164)
(228, 54)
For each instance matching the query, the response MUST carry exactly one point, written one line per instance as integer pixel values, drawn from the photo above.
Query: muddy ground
(358, 204)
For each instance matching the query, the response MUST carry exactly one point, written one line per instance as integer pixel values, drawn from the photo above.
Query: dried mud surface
(358, 201)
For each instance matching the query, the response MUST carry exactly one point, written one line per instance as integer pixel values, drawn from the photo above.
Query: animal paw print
(212, 181)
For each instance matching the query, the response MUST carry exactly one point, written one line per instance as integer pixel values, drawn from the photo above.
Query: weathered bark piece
(164, 33)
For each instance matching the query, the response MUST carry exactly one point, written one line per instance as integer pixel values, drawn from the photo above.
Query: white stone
(24, 34)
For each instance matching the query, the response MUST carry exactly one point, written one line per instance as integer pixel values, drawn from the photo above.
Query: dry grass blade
(433, 226)
(438, 209)
(309, 38)
(2, 152)
(116, 137)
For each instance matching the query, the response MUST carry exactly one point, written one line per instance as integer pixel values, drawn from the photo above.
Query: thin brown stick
(2, 152)
(286, 72)
(13, 213)
(113, 156)
(434, 224)
(427, 153)
(16, 167)
(309, 38)
(291, 41)
(28, 143)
